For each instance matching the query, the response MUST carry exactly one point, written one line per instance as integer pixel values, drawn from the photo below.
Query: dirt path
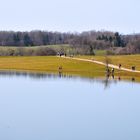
(101, 63)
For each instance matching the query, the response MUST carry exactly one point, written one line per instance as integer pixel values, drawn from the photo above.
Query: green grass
(100, 52)
(58, 48)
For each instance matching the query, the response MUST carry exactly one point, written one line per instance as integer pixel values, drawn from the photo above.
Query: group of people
(113, 70)
(110, 71)
(133, 67)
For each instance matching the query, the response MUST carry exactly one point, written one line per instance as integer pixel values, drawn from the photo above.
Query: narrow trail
(101, 63)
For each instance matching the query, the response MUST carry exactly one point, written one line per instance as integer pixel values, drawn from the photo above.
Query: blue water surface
(68, 108)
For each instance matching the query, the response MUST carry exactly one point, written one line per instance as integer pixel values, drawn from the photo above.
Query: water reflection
(107, 80)
(114, 79)
(33, 75)
(44, 106)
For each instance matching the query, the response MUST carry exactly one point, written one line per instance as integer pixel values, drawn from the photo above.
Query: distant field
(54, 46)
(100, 52)
(30, 47)
(33, 50)
(7, 50)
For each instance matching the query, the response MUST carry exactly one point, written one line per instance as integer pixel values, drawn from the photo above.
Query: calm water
(46, 107)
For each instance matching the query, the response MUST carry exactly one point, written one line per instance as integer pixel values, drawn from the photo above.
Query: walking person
(120, 66)
(112, 71)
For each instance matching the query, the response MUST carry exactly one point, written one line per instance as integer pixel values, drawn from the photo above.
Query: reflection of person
(113, 76)
(60, 74)
(119, 78)
(60, 67)
(133, 79)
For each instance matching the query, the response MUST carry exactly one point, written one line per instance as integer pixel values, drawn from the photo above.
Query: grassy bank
(51, 64)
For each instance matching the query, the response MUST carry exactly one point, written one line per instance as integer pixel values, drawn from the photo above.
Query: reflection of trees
(31, 74)
(107, 81)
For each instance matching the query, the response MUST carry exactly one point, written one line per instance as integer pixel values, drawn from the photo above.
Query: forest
(113, 42)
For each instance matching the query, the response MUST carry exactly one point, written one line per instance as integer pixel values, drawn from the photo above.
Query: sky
(70, 15)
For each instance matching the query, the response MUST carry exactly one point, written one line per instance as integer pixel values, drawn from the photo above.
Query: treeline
(33, 38)
(84, 43)
(38, 38)
(114, 43)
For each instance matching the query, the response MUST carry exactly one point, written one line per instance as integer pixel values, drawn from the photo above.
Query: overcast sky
(70, 15)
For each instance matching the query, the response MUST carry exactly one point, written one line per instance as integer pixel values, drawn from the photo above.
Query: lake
(51, 107)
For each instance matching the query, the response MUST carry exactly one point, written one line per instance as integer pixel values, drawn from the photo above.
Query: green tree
(16, 39)
(27, 40)
(118, 40)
